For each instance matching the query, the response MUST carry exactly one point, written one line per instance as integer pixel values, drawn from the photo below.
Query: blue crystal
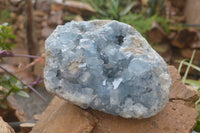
(107, 66)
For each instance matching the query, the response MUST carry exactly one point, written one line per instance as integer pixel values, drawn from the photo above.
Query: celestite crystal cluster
(107, 66)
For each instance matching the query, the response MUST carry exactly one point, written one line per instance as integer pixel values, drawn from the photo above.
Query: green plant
(5, 15)
(156, 7)
(163, 22)
(139, 21)
(5, 34)
(10, 54)
(143, 23)
(112, 9)
(11, 85)
(15, 86)
(120, 10)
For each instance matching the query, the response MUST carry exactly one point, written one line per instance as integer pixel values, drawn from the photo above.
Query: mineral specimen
(108, 66)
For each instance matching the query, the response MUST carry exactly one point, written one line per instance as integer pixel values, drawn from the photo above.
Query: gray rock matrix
(107, 66)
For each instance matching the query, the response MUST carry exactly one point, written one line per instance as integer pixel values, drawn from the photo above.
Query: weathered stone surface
(108, 66)
(186, 93)
(4, 127)
(177, 116)
(77, 7)
(64, 117)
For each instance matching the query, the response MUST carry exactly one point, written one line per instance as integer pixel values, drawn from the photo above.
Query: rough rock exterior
(108, 66)
(179, 116)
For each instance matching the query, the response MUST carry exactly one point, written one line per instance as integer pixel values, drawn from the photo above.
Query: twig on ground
(5, 53)
(42, 57)
(38, 80)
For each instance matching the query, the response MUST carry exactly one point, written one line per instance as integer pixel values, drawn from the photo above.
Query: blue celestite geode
(107, 66)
